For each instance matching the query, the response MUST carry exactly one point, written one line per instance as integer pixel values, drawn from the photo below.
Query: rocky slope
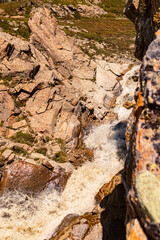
(52, 91)
(55, 85)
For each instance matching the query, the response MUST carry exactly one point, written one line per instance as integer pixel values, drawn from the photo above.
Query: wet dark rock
(31, 179)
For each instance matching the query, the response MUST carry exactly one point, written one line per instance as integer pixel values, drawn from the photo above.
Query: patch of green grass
(46, 139)
(116, 34)
(23, 32)
(1, 123)
(42, 151)
(60, 157)
(22, 29)
(22, 137)
(92, 36)
(11, 8)
(61, 142)
(20, 151)
(113, 6)
(7, 80)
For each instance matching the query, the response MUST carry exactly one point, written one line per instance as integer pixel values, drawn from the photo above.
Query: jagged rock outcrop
(143, 14)
(143, 161)
(59, 50)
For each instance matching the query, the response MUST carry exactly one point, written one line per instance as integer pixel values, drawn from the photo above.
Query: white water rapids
(27, 218)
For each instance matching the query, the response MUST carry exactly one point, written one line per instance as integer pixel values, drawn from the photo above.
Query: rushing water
(27, 218)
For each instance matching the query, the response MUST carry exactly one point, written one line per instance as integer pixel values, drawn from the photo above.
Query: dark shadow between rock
(113, 217)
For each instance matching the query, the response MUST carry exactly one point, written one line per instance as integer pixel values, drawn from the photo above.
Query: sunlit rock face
(143, 161)
(144, 14)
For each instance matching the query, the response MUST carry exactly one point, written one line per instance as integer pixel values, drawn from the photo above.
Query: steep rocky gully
(79, 136)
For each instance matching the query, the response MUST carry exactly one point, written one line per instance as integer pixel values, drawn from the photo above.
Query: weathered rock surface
(6, 109)
(81, 9)
(58, 48)
(31, 179)
(142, 164)
(79, 227)
(142, 14)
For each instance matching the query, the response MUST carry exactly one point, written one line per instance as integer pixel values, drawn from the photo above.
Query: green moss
(61, 142)
(23, 32)
(46, 139)
(22, 28)
(7, 80)
(20, 151)
(1, 123)
(77, 15)
(92, 36)
(113, 6)
(42, 151)
(148, 188)
(22, 137)
(60, 157)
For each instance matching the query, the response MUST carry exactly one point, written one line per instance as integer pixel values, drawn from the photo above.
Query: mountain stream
(27, 218)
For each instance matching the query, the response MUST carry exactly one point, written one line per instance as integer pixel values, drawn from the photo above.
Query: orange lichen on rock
(139, 105)
(134, 231)
(136, 3)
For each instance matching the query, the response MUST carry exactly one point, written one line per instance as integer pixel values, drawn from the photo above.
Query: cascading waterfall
(24, 217)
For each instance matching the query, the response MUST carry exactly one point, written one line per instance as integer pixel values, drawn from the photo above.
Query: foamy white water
(27, 218)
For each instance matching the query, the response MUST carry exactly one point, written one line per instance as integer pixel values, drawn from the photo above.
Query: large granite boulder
(31, 178)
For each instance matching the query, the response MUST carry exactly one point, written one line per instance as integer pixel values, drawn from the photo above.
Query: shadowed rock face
(141, 13)
(143, 161)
